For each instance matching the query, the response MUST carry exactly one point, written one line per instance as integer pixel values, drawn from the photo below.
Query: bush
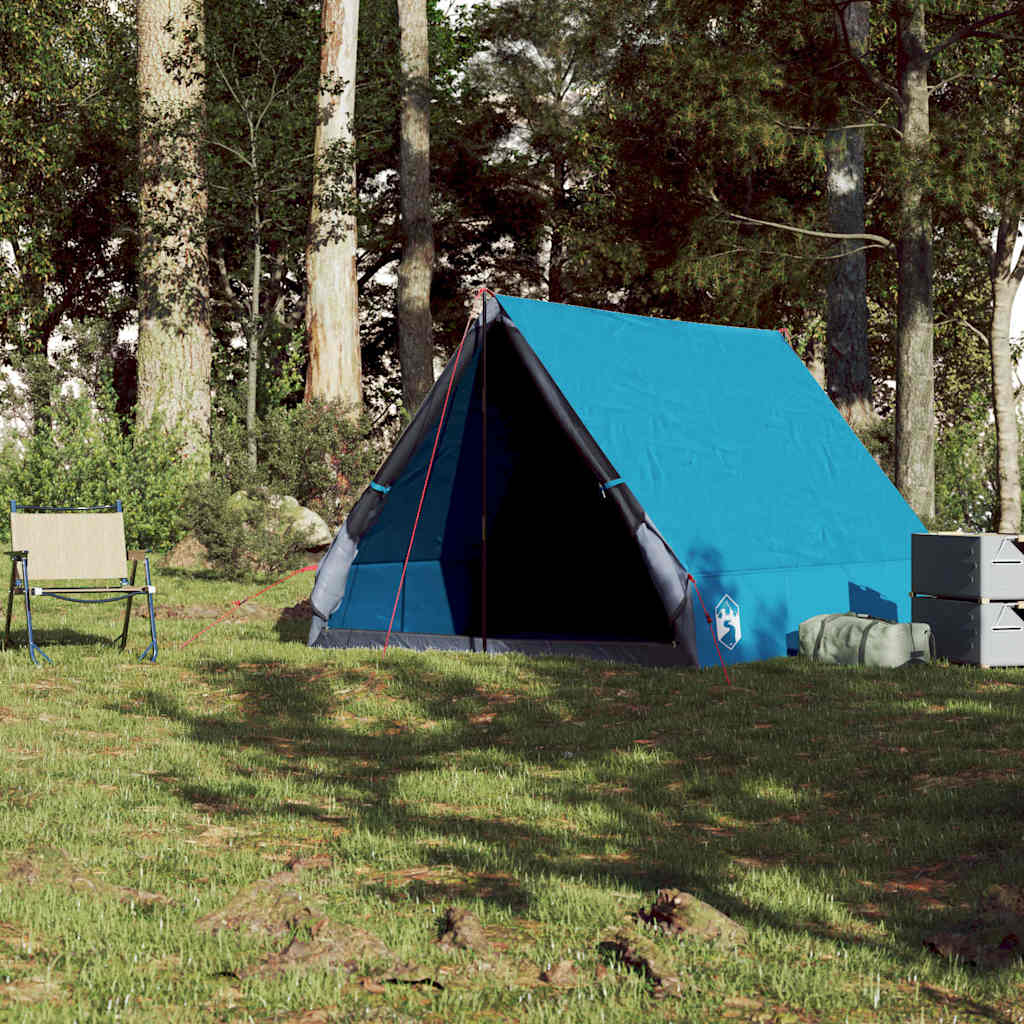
(312, 452)
(965, 472)
(85, 459)
(244, 535)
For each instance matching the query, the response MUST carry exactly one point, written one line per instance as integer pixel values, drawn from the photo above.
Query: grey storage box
(851, 639)
(972, 566)
(985, 633)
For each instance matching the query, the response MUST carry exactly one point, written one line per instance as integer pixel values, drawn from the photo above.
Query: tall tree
(979, 112)
(415, 333)
(332, 306)
(915, 393)
(1006, 272)
(915, 404)
(260, 103)
(67, 179)
(174, 348)
(543, 66)
(847, 366)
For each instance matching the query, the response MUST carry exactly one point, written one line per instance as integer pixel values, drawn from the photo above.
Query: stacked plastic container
(969, 587)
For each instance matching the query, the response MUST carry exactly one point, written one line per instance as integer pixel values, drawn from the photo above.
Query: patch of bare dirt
(994, 937)
(326, 946)
(925, 782)
(249, 611)
(36, 989)
(462, 930)
(301, 612)
(446, 882)
(273, 906)
(564, 974)
(56, 869)
(188, 553)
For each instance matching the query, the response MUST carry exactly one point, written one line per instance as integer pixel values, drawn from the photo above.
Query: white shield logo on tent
(727, 623)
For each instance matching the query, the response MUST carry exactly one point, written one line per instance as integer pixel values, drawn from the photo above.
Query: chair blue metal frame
(125, 591)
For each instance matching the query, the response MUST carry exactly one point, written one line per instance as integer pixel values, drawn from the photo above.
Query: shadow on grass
(811, 800)
(58, 638)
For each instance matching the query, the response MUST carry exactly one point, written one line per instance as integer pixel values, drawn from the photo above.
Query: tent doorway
(560, 559)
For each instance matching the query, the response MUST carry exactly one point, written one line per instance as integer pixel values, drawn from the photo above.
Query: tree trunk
(415, 329)
(1006, 279)
(174, 348)
(915, 374)
(556, 252)
(332, 307)
(848, 371)
(252, 374)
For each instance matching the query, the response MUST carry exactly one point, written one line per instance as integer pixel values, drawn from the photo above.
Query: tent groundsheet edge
(627, 652)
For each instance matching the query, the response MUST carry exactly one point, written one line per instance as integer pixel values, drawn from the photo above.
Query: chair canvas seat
(57, 550)
(63, 546)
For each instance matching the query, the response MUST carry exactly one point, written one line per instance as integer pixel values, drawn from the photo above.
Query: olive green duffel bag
(852, 639)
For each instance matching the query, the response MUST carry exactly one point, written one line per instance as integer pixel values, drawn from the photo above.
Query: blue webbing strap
(379, 488)
(609, 484)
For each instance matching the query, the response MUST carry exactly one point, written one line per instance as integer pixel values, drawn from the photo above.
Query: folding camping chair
(58, 544)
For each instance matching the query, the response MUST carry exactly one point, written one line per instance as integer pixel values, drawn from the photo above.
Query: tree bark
(255, 322)
(1006, 279)
(415, 272)
(556, 253)
(848, 370)
(915, 391)
(332, 306)
(174, 347)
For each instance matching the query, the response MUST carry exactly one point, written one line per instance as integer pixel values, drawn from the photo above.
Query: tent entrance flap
(561, 559)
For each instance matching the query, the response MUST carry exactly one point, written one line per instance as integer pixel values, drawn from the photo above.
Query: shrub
(312, 452)
(965, 472)
(243, 533)
(83, 458)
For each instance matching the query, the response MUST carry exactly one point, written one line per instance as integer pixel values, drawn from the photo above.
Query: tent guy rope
(711, 627)
(238, 604)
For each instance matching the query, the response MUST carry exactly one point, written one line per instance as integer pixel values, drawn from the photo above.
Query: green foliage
(244, 534)
(965, 471)
(311, 452)
(261, 117)
(67, 141)
(85, 458)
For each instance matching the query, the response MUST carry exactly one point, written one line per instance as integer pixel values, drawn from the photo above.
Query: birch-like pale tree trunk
(174, 348)
(847, 369)
(1006, 275)
(915, 393)
(415, 272)
(335, 370)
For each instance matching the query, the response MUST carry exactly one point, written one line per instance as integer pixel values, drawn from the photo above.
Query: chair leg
(152, 617)
(33, 648)
(10, 606)
(128, 606)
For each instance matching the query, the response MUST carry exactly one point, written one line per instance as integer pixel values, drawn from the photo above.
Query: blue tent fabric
(673, 449)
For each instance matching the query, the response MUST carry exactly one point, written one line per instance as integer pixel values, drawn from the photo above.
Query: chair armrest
(137, 556)
(17, 554)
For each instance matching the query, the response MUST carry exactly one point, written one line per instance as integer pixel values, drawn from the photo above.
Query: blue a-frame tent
(599, 480)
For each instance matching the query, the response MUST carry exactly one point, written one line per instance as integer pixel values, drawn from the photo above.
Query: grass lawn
(251, 830)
